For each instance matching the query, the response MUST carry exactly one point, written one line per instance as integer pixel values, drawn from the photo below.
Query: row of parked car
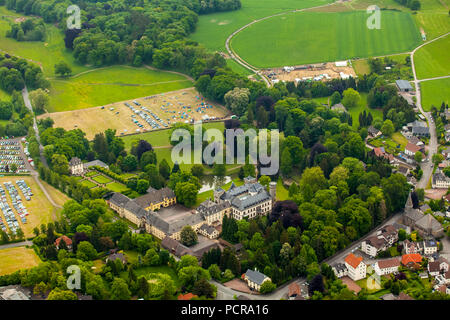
(143, 115)
(9, 155)
(8, 213)
(16, 199)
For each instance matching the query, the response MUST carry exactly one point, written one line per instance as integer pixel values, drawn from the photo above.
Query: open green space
(107, 85)
(392, 145)
(101, 179)
(354, 112)
(433, 59)
(91, 173)
(161, 138)
(148, 271)
(4, 96)
(213, 29)
(47, 52)
(88, 183)
(434, 92)
(117, 187)
(309, 37)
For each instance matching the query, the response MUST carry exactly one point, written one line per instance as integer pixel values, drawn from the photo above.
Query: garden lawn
(213, 29)
(102, 179)
(361, 67)
(116, 187)
(13, 259)
(434, 92)
(433, 60)
(323, 37)
(91, 173)
(282, 192)
(88, 183)
(111, 84)
(4, 96)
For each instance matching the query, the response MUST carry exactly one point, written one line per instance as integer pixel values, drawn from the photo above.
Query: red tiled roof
(413, 257)
(187, 296)
(353, 260)
(378, 152)
(66, 239)
(294, 289)
(412, 147)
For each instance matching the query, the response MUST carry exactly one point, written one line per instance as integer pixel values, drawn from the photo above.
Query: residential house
(373, 132)
(372, 245)
(410, 260)
(294, 291)
(255, 279)
(437, 267)
(340, 270)
(356, 267)
(380, 152)
(388, 266)
(66, 240)
(440, 180)
(411, 149)
(187, 296)
(114, 256)
(412, 247)
(429, 247)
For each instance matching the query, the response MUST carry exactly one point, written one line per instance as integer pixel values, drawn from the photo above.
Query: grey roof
(208, 207)
(119, 199)
(155, 196)
(417, 123)
(376, 242)
(174, 226)
(339, 267)
(246, 202)
(424, 207)
(429, 222)
(74, 161)
(439, 176)
(134, 208)
(338, 107)
(208, 229)
(420, 130)
(372, 130)
(175, 247)
(403, 84)
(413, 214)
(236, 191)
(255, 276)
(95, 163)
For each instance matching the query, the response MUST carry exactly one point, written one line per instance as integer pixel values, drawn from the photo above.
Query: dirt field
(39, 208)
(239, 285)
(13, 259)
(182, 105)
(312, 71)
(352, 285)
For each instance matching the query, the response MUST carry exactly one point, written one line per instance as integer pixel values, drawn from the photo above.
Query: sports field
(107, 85)
(213, 29)
(13, 259)
(434, 92)
(433, 59)
(39, 207)
(309, 37)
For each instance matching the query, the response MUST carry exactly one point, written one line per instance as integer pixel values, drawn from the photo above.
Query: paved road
(17, 244)
(427, 167)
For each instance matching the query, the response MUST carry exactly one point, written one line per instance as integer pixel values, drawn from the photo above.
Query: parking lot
(10, 196)
(11, 154)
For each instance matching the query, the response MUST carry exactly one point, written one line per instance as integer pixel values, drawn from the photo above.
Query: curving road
(244, 63)
(427, 167)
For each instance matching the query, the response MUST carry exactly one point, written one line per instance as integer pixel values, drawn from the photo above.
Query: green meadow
(107, 85)
(433, 60)
(434, 92)
(309, 37)
(213, 29)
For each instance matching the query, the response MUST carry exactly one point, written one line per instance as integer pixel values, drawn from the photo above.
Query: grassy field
(88, 183)
(104, 86)
(4, 96)
(39, 207)
(433, 59)
(213, 29)
(47, 53)
(361, 67)
(13, 259)
(162, 137)
(434, 92)
(116, 187)
(354, 112)
(324, 37)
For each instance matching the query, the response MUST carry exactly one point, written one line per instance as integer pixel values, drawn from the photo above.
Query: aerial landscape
(225, 150)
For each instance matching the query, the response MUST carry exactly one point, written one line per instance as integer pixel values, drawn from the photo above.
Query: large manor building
(159, 214)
